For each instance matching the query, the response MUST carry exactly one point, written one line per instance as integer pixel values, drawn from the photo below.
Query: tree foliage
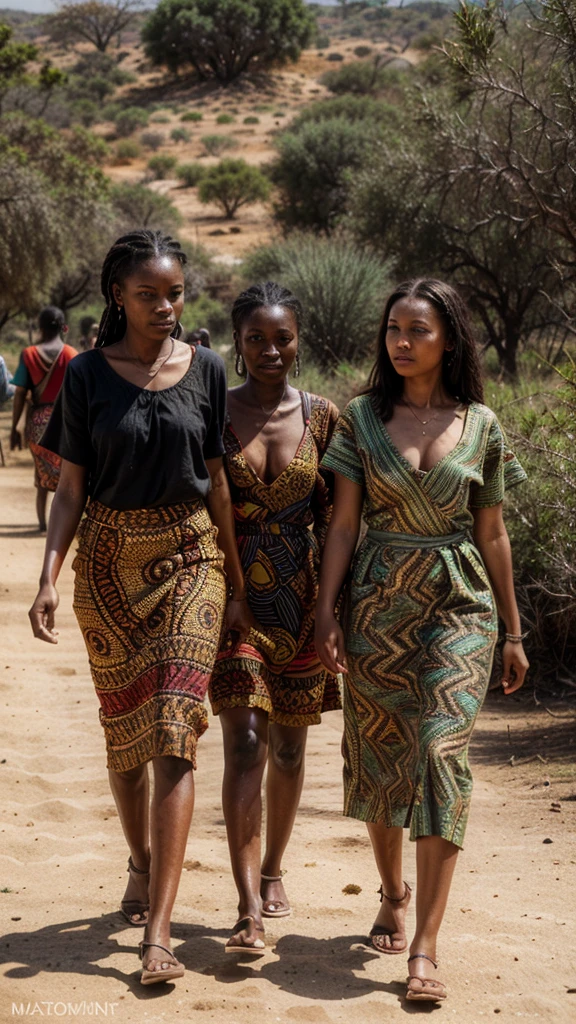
(222, 39)
(93, 21)
(15, 59)
(340, 285)
(232, 184)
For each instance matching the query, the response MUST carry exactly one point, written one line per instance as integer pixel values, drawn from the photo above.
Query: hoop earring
(240, 365)
(297, 364)
(449, 358)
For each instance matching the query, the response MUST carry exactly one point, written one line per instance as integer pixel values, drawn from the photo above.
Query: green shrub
(233, 183)
(206, 312)
(314, 169)
(362, 51)
(162, 165)
(192, 115)
(322, 41)
(160, 119)
(335, 57)
(152, 140)
(340, 285)
(263, 108)
(251, 119)
(126, 150)
(542, 516)
(180, 135)
(86, 111)
(110, 111)
(279, 113)
(216, 144)
(190, 174)
(129, 119)
(352, 108)
(362, 77)
(135, 205)
(225, 119)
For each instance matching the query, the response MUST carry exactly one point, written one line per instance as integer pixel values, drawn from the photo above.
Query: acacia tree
(232, 184)
(222, 39)
(15, 59)
(94, 21)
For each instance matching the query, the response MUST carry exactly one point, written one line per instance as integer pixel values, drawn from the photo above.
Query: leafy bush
(85, 111)
(362, 51)
(251, 119)
(362, 77)
(160, 119)
(152, 140)
(192, 115)
(222, 38)
(335, 57)
(322, 41)
(352, 108)
(129, 119)
(233, 183)
(162, 165)
(110, 111)
(313, 170)
(216, 144)
(180, 135)
(126, 150)
(340, 285)
(225, 119)
(206, 312)
(138, 206)
(542, 523)
(190, 174)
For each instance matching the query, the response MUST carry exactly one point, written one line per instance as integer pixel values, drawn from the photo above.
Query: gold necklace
(422, 422)
(142, 367)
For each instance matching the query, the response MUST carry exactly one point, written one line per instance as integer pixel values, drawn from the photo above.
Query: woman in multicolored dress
(138, 425)
(40, 373)
(268, 689)
(426, 464)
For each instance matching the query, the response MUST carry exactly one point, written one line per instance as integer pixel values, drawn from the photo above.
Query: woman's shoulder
(483, 414)
(322, 405)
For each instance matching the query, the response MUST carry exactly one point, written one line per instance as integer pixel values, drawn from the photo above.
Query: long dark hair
(126, 254)
(267, 293)
(461, 370)
(51, 321)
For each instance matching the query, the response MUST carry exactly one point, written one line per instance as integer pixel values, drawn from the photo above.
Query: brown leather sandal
(129, 908)
(256, 948)
(379, 929)
(176, 969)
(275, 908)
(425, 989)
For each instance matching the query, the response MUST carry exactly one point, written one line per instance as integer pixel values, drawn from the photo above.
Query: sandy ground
(508, 944)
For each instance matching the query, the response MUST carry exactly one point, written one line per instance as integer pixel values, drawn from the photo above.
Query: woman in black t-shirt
(138, 425)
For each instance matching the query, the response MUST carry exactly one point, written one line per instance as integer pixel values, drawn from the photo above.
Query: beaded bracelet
(515, 638)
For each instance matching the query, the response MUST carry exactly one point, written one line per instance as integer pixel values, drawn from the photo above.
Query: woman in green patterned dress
(426, 464)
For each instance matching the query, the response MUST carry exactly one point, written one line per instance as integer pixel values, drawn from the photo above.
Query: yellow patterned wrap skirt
(149, 597)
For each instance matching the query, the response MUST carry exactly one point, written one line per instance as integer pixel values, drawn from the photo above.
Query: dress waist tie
(413, 540)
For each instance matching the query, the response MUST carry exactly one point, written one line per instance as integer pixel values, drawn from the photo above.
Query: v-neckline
(286, 468)
(423, 474)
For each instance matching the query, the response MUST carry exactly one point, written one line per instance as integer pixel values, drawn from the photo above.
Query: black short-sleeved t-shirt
(141, 448)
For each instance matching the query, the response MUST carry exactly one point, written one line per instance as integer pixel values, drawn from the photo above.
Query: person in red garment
(40, 374)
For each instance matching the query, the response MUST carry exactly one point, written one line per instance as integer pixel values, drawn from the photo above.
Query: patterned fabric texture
(421, 623)
(46, 464)
(280, 528)
(149, 597)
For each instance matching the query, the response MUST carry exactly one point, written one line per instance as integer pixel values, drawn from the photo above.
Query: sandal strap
(395, 899)
(248, 917)
(422, 956)
(272, 878)
(147, 945)
(137, 871)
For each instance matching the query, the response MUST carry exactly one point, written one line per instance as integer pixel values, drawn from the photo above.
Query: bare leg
(245, 732)
(387, 846)
(131, 793)
(435, 863)
(171, 815)
(41, 499)
(283, 790)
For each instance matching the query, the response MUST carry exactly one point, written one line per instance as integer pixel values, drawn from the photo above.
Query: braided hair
(267, 293)
(461, 369)
(51, 321)
(126, 254)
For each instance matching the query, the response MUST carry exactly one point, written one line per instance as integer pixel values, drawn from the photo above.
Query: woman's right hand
(329, 642)
(15, 439)
(41, 614)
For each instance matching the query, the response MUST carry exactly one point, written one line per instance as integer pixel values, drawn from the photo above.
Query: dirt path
(508, 942)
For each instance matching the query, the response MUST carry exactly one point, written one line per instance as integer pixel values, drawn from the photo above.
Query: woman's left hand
(514, 666)
(239, 619)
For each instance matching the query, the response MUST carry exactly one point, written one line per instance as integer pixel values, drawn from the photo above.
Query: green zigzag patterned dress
(421, 624)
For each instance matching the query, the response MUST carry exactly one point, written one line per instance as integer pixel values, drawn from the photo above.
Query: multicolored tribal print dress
(43, 382)
(421, 623)
(280, 528)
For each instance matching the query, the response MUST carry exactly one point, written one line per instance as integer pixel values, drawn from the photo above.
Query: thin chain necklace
(423, 423)
(270, 412)
(142, 366)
